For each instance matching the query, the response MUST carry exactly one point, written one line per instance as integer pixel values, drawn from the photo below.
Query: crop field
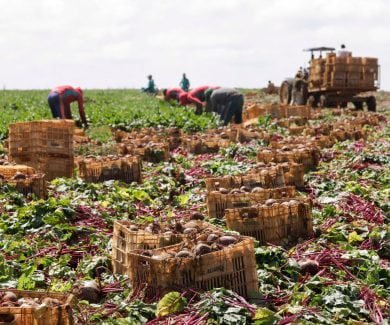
(334, 271)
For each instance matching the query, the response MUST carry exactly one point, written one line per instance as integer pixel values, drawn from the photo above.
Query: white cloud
(116, 43)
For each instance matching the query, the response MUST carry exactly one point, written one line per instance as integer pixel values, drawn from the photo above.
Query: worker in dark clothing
(207, 95)
(151, 88)
(172, 94)
(227, 102)
(185, 83)
(60, 99)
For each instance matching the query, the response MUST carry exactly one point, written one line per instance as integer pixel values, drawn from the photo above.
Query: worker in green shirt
(151, 88)
(185, 83)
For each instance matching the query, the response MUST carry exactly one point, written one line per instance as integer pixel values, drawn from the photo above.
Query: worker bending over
(228, 103)
(196, 97)
(172, 94)
(60, 99)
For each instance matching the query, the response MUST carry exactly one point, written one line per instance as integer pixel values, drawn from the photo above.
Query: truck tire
(285, 92)
(322, 102)
(358, 105)
(371, 104)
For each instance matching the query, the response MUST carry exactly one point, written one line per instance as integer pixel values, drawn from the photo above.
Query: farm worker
(172, 93)
(207, 95)
(270, 88)
(59, 101)
(195, 96)
(151, 88)
(185, 83)
(229, 103)
(343, 52)
(298, 87)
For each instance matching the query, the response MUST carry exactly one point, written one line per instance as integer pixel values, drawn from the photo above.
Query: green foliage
(172, 302)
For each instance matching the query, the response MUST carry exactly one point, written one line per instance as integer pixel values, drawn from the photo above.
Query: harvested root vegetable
(184, 254)
(51, 302)
(212, 238)
(223, 190)
(133, 228)
(8, 296)
(197, 216)
(227, 240)
(89, 290)
(309, 266)
(245, 189)
(19, 175)
(269, 202)
(257, 189)
(188, 231)
(202, 249)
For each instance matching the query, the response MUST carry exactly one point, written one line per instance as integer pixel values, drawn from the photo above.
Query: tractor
(333, 81)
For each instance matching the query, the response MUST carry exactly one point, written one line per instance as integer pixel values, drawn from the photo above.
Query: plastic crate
(217, 202)
(60, 315)
(47, 137)
(126, 169)
(33, 183)
(233, 268)
(272, 224)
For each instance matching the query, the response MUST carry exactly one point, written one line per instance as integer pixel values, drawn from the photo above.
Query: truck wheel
(358, 105)
(322, 101)
(371, 104)
(285, 93)
(312, 102)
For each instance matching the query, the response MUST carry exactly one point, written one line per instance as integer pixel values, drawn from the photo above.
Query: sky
(235, 43)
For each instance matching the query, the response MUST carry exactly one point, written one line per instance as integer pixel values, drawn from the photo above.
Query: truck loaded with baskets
(334, 81)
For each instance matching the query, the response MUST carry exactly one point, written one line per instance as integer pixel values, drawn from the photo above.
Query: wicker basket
(33, 183)
(272, 224)
(217, 202)
(232, 268)
(127, 169)
(60, 315)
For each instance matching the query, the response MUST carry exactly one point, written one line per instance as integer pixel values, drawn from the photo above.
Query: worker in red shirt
(172, 93)
(59, 101)
(195, 96)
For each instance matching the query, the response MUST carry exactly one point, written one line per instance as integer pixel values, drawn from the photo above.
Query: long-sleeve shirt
(185, 84)
(195, 96)
(68, 94)
(221, 96)
(173, 93)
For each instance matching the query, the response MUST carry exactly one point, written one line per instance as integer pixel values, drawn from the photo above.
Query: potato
(19, 175)
(227, 240)
(202, 249)
(245, 189)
